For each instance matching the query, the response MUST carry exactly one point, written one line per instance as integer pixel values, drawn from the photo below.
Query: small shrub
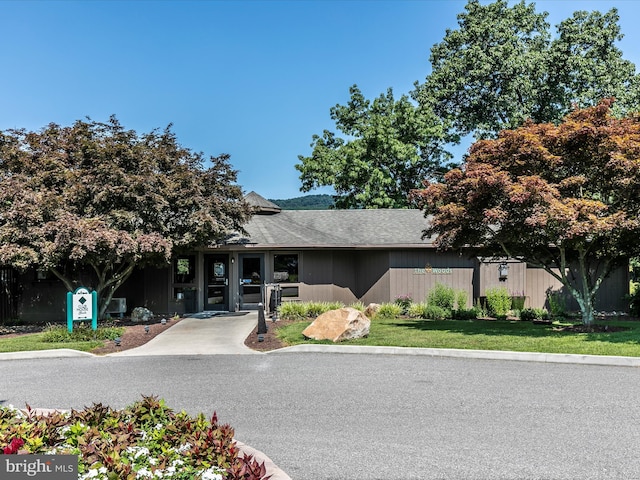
(481, 309)
(461, 299)
(466, 313)
(292, 311)
(634, 300)
(416, 310)
(358, 306)
(498, 301)
(557, 304)
(433, 312)
(303, 310)
(442, 296)
(389, 310)
(531, 314)
(80, 333)
(517, 302)
(404, 301)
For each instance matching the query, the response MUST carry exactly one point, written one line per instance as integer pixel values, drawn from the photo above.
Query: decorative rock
(141, 314)
(371, 310)
(337, 325)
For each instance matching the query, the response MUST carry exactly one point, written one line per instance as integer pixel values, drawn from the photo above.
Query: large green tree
(94, 198)
(562, 197)
(388, 147)
(501, 67)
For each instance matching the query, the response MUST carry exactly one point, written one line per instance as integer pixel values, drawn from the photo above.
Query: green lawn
(82, 338)
(34, 341)
(486, 335)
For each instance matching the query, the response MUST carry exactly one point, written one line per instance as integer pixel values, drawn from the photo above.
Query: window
(285, 268)
(184, 268)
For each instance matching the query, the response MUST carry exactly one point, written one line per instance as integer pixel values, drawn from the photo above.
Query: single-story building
(314, 255)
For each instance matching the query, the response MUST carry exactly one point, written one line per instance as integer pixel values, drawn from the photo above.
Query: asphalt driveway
(323, 416)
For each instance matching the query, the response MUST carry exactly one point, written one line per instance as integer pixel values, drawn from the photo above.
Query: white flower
(184, 448)
(211, 474)
(144, 473)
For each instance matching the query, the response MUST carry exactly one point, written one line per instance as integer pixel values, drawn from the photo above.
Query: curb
(53, 353)
(461, 353)
(273, 471)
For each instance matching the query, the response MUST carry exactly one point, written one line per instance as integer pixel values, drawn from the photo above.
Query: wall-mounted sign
(429, 270)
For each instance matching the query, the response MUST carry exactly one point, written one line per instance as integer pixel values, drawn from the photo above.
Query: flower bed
(145, 440)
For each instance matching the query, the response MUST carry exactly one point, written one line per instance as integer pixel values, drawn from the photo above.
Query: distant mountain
(308, 202)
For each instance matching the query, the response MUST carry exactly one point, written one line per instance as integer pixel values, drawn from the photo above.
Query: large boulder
(141, 314)
(336, 325)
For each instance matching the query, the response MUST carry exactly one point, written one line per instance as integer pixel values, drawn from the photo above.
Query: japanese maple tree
(96, 199)
(562, 197)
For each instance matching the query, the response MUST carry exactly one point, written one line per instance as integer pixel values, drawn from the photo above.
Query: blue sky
(254, 79)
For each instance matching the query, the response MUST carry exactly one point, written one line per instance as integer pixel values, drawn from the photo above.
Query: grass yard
(34, 341)
(53, 337)
(488, 335)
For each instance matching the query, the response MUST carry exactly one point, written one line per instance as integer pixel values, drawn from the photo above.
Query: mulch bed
(590, 329)
(270, 341)
(134, 333)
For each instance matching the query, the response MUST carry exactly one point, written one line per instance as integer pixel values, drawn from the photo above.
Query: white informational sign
(82, 305)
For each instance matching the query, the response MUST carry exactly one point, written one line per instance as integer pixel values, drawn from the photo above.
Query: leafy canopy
(96, 198)
(388, 147)
(501, 67)
(563, 197)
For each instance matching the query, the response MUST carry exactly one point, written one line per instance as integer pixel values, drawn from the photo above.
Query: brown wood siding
(515, 283)
(416, 273)
(610, 296)
(318, 276)
(373, 279)
(539, 283)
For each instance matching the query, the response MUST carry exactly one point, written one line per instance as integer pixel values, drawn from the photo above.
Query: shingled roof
(294, 229)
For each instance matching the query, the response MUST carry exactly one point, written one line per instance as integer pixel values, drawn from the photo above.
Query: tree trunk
(106, 286)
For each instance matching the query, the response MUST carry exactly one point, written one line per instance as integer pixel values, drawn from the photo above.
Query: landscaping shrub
(531, 314)
(81, 333)
(303, 310)
(442, 296)
(466, 313)
(144, 440)
(416, 310)
(404, 301)
(428, 312)
(517, 302)
(634, 300)
(358, 306)
(292, 311)
(389, 310)
(433, 312)
(557, 304)
(461, 299)
(498, 301)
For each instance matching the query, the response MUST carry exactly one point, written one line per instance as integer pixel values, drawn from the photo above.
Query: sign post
(82, 305)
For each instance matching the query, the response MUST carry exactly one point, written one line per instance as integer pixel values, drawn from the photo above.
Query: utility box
(117, 306)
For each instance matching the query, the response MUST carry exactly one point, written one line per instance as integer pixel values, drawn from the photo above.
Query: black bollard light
(262, 323)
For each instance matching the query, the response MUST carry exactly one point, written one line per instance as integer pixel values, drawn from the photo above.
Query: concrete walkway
(220, 334)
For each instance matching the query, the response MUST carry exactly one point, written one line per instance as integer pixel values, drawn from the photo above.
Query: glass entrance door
(251, 280)
(216, 282)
